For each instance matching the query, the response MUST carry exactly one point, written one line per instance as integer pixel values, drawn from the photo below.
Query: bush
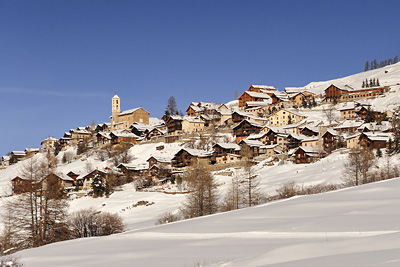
(10, 262)
(288, 190)
(88, 222)
(168, 217)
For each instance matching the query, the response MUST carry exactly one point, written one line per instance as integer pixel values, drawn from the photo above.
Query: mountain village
(299, 125)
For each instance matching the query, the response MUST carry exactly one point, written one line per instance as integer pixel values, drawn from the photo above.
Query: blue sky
(62, 61)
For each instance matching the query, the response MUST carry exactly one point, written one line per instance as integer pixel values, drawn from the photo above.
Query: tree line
(374, 64)
(39, 216)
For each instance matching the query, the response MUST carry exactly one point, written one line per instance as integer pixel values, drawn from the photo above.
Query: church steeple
(116, 109)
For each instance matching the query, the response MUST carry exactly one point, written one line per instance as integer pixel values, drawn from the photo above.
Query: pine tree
(377, 82)
(366, 66)
(366, 83)
(370, 83)
(395, 59)
(304, 103)
(314, 103)
(379, 153)
(98, 185)
(375, 64)
(363, 84)
(373, 82)
(171, 106)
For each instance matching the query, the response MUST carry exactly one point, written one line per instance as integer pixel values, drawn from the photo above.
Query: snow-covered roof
(49, 139)
(265, 87)
(196, 152)
(251, 143)
(349, 124)
(130, 111)
(228, 146)
(119, 133)
(252, 123)
(378, 136)
(116, 96)
(346, 106)
(193, 119)
(18, 153)
(163, 158)
(258, 95)
(374, 126)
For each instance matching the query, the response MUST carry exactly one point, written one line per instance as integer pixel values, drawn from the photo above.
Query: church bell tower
(116, 109)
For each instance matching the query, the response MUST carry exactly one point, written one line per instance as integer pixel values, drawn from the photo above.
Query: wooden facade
(174, 124)
(245, 128)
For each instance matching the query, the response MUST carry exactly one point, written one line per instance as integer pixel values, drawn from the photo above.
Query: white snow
(351, 227)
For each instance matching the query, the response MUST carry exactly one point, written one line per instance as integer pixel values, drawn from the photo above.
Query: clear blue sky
(62, 61)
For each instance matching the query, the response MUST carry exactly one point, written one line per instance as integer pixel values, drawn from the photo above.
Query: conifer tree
(395, 59)
(366, 66)
(377, 82)
(379, 153)
(363, 84)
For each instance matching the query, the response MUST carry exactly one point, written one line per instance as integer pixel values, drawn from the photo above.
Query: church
(122, 120)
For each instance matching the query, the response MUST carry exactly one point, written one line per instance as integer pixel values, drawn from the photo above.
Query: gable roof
(228, 146)
(130, 111)
(252, 123)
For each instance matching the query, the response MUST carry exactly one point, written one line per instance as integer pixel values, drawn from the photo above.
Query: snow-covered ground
(352, 227)
(388, 76)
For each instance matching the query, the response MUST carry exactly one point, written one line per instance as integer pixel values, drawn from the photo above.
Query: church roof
(116, 96)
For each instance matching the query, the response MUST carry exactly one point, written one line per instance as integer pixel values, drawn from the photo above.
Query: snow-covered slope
(352, 227)
(388, 76)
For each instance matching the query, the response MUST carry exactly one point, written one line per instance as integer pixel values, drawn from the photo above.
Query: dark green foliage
(379, 153)
(370, 115)
(304, 103)
(13, 160)
(99, 185)
(82, 148)
(366, 66)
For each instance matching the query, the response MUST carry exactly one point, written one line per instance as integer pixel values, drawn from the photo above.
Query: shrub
(168, 217)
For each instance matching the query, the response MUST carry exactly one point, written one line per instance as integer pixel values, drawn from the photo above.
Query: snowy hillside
(351, 227)
(388, 76)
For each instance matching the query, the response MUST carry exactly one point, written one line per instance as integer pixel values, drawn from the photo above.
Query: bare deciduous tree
(330, 113)
(357, 166)
(203, 197)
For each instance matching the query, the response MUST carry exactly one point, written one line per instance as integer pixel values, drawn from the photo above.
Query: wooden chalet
(79, 135)
(346, 92)
(140, 129)
(174, 124)
(272, 150)
(374, 140)
(103, 127)
(103, 138)
(348, 126)
(85, 181)
(224, 149)
(31, 151)
(18, 154)
(331, 140)
(307, 154)
(263, 137)
(155, 132)
(308, 130)
(22, 184)
(153, 160)
(64, 181)
(194, 110)
(245, 128)
(187, 157)
(238, 116)
(123, 137)
(256, 147)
